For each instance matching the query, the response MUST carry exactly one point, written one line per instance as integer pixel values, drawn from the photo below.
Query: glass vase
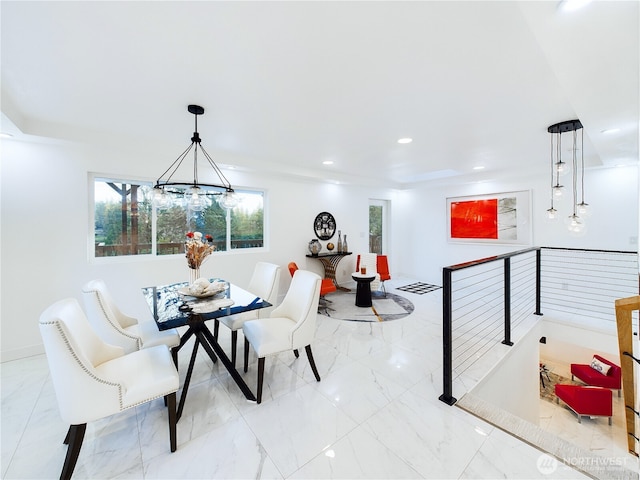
(194, 274)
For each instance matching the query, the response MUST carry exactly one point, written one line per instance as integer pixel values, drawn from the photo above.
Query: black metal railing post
(507, 302)
(538, 280)
(447, 340)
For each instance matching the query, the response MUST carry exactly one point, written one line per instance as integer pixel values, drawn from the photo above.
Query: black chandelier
(194, 195)
(576, 221)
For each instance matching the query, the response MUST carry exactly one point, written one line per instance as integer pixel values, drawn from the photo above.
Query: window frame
(93, 177)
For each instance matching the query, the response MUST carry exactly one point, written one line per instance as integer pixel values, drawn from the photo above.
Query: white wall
(46, 233)
(420, 220)
(45, 228)
(513, 384)
(569, 343)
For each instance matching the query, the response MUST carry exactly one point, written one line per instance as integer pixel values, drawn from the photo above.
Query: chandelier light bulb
(227, 200)
(196, 199)
(161, 199)
(165, 201)
(552, 214)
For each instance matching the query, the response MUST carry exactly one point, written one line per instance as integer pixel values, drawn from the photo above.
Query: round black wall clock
(324, 225)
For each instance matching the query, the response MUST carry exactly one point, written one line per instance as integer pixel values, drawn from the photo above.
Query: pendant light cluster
(193, 195)
(559, 169)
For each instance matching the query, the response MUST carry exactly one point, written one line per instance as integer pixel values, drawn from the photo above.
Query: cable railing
(483, 300)
(587, 282)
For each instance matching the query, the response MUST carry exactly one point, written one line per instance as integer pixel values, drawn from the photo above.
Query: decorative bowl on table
(203, 288)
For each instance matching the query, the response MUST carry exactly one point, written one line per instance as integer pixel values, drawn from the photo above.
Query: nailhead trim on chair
(82, 365)
(98, 379)
(114, 323)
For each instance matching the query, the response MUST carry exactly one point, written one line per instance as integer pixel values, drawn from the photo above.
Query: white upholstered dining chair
(119, 329)
(93, 379)
(291, 325)
(265, 283)
(369, 260)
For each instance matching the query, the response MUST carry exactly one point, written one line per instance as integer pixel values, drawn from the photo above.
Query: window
(125, 221)
(123, 218)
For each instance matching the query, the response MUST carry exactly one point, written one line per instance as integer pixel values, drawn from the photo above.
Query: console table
(330, 263)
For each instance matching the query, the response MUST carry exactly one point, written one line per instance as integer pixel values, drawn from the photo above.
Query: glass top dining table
(172, 307)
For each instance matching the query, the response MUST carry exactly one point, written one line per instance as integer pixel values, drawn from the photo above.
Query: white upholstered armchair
(369, 260)
(291, 325)
(265, 283)
(93, 379)
(119, 329)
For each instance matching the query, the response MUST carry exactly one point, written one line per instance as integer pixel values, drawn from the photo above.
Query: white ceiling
(287, 85)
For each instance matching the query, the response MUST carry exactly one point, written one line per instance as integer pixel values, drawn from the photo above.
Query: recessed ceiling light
(479, 167)
(328, 162)
(572, 5)
(609, 130)
(405, 140)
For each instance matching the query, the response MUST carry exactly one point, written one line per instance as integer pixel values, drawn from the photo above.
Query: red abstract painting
(475, 219)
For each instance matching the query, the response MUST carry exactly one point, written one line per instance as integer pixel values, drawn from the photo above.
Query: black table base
(363, 291)
(204, 337)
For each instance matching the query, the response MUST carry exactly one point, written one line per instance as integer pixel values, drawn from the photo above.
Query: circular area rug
(342, 306)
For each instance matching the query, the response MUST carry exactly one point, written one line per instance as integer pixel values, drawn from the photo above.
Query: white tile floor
(375, 414)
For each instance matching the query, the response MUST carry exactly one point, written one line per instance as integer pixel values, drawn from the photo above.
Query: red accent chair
(586, 401)
(584, 372)
(327, 286)
(383, 271)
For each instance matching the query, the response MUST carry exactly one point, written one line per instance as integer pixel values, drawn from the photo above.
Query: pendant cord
(575, 173)
(552, 165)
(582, 170)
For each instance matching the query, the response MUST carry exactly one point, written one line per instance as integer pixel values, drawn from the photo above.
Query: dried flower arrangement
(196, 249)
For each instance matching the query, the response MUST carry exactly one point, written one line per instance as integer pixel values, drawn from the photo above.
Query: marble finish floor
(375, 414)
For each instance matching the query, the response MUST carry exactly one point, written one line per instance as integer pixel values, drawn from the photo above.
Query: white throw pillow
(599, 366)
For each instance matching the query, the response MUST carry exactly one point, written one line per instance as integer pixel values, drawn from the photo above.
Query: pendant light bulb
(558, 190)
(583, 210)
(575, 225)
(562, 168)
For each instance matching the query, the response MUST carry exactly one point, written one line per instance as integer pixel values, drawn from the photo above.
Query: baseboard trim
(18, 353)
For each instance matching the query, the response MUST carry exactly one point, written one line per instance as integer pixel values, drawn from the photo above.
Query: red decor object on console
(586, 401)
(589, 375)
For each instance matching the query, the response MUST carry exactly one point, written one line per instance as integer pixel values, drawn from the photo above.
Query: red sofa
(587, 401)
(584, 372)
